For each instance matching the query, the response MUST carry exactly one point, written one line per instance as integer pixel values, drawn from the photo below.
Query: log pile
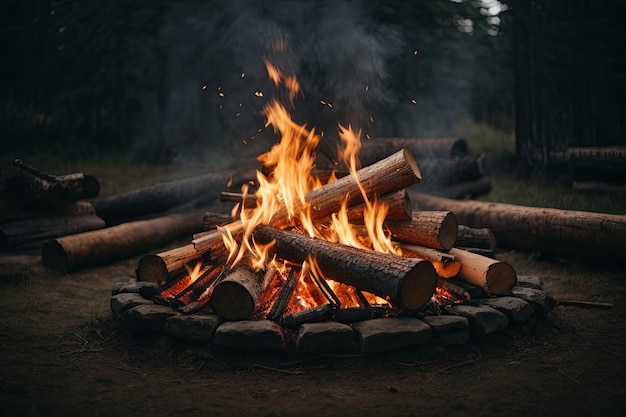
(407, 282)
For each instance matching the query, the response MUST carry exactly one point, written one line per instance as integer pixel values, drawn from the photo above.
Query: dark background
(145, 76)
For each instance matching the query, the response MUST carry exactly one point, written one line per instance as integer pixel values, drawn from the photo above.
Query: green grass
(484, 138)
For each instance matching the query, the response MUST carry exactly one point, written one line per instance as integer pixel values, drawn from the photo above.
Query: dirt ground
(63, 355)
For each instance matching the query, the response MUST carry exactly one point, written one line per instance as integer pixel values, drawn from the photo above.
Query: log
(211, 219)
(580, 235)
(73, 252)
(24, 232)
(462, 190)
(406, 282)
(493, 276)
(378, 148)
(442, 171)
(161, 197)
(393, 173)
(165, 266)
(445, 264)
(236, 295)
(474, 237)
(434, 229)
(11, 211)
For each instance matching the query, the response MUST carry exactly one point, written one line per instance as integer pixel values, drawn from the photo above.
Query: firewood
(474, 237)
(461, 190)
(434, 229)
(211, 219)
(310, 315)
(236, 295)
(580, 235)
(406, 282)
(480, 251)
(398, 207)
(444, 263)
(73, 252)
(23, 232)
(493, 276)
(164, 196)
(375, 149)
(445, 171)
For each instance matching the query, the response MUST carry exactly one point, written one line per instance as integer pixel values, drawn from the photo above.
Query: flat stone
(515, 309)
(389, 333)
(325, 337)
(131, 286)
(528, 281)
(482, 320)
(198, 328)
(448, 323)
(250, 334)
(125, 301)
(149, 317)
(542, 302)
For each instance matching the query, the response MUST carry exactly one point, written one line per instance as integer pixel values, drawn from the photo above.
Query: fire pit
(321, 261)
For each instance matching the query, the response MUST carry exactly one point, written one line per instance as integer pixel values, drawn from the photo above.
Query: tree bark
(406, 282)
(461, 190)
(236, 295)
(373, 150)
(473, 237)
(434, 229)
(23, 232)
(442, 171)
(73, 252)
(493, 276)
(580, 235)
(164, 196)
(398, 207)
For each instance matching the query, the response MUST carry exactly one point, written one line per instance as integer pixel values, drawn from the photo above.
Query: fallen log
(164, 196)
(461, 190)
(474, 237)
(434, 229)
(443, 171)
(378, 148)
(11, 211)
(73, 252)
(407, 283)
(580, 235)
(236, 295)
(493, 276)
(29, 231)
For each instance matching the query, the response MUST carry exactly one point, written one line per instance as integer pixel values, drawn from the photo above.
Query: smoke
(211, 83)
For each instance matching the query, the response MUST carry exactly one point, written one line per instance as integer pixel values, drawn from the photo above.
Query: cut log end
(54, 255)
(418, 286)
(232, 301)
(448, 231)
(410, 160)
(152, 268)
(501, 277)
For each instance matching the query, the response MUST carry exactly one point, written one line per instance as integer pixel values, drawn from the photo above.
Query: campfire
(305, 245)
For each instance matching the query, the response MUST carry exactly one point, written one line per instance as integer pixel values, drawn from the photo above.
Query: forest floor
(63, 355)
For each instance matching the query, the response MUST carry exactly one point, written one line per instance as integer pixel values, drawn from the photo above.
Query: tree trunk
(407, 283)
(434, 229)
(373, 150)
(164, 196)
(23, 232)
(580, 235)
(73, 252)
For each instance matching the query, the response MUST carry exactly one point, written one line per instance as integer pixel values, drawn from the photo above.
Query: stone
(325, 337)
(148, 317)
(528, 281)
(448, 323)
(482, 320)
(131, 286)
(516, 309)
(542, 302)
(455, 338)
(197, 328)
(250, 334)
(389, 333)
(120, 303)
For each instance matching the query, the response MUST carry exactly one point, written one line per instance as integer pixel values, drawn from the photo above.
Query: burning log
(408, 283)
(31, 231)
(373, 150)
(398, 207)
(434, 229)
(236, 295)
(493, 276)
(448, 291)
(474, 237)
(161, 197)
(211, 219)
(73, 252)
(575, 234)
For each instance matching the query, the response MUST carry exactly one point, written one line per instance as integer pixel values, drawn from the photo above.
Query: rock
(383, 334)
(131, 286)
(515, 309)
(325, 337)
(482, 320)
(250, 334)
(148, 317)
(447, 323)
(120, 303)
(529, 282)
(542, 302)
(198, 328)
